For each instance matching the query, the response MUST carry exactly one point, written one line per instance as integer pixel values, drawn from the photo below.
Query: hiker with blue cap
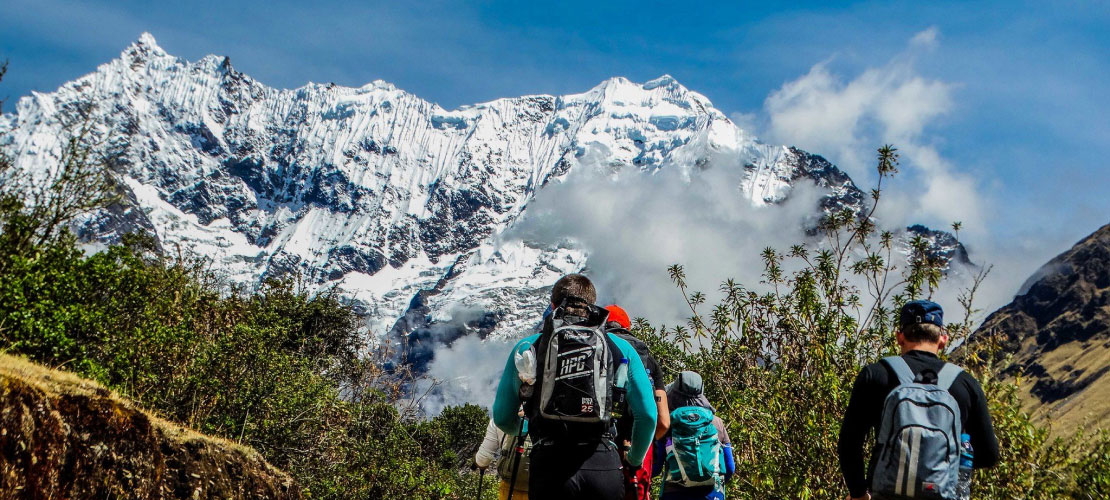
(930, 417)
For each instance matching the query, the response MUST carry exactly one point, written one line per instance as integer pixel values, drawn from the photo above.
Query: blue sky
(1006, 102)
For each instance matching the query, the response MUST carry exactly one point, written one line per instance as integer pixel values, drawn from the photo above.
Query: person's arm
(507, 402)
(726, 448)
(853, 433)
(491, 446)
(663, 424)
(979, 428)
(730, 461)
(641, 403)
(663, 421)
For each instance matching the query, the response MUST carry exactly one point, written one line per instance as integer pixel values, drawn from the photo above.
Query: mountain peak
(143, 48)
(663, 90)
(146, 39)
(1056, 334)
(379, 84)
(663, 81)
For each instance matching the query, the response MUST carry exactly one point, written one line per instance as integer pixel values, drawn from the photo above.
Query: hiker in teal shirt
(571, 460)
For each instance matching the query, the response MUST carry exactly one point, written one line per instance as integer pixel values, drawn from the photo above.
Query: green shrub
(780, 363)
(265, 368)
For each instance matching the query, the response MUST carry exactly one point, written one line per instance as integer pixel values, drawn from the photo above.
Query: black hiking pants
(578, 471)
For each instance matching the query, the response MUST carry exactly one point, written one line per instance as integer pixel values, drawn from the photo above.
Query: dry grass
(60, 382)
(1089, 407)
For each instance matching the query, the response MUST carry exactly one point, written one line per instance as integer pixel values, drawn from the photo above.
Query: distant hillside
(1058, 330)
(62, 436)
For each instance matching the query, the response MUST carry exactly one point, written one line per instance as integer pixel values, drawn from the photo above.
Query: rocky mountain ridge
(1055, 335)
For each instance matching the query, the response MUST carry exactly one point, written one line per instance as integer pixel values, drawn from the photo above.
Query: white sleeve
(491, 446)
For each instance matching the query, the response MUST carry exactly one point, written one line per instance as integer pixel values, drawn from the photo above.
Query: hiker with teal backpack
(930, 417)
(695, 456)
(570, 377)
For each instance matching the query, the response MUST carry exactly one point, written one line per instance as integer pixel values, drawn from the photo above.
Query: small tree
(35, 209)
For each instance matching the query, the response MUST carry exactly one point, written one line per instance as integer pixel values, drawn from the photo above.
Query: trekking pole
(519, 449)
(481, 482)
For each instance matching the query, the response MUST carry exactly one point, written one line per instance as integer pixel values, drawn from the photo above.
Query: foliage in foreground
(281, 370)
(780, 364)
(265, 368)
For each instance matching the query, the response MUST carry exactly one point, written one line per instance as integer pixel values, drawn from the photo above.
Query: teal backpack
(693, 449)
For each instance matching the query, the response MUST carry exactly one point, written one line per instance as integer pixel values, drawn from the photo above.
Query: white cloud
(467, 371)
(636, 224)
(845, 119)
(748, 122)
(926, 38)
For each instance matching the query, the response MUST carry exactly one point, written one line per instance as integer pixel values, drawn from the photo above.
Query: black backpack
(576, 365)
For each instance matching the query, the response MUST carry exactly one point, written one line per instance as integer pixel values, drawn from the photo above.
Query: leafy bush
(780, 362)
(278, 369)
(265, 368)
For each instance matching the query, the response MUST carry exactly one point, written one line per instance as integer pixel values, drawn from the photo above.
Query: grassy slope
(62, 436)
(1087, 407)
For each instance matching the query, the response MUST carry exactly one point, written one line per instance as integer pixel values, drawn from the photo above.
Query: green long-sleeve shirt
(640, 396)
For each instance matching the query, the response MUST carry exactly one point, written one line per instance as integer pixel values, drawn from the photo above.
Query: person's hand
(866, 496)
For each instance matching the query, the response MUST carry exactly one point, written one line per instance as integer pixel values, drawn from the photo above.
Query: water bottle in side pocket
(619, 392)
(967, 463)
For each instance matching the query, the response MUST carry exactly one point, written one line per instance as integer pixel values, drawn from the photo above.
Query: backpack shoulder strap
(947, 375)
(901, 369)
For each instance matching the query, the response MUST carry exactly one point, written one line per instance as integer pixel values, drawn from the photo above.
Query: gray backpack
(918, 443)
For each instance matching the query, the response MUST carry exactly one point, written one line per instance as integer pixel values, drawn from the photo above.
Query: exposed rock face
(65, 437)
(1058, 331)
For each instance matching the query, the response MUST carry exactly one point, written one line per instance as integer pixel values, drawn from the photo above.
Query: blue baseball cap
(921, 311)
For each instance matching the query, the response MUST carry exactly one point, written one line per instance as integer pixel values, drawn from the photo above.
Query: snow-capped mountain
(400, 203)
